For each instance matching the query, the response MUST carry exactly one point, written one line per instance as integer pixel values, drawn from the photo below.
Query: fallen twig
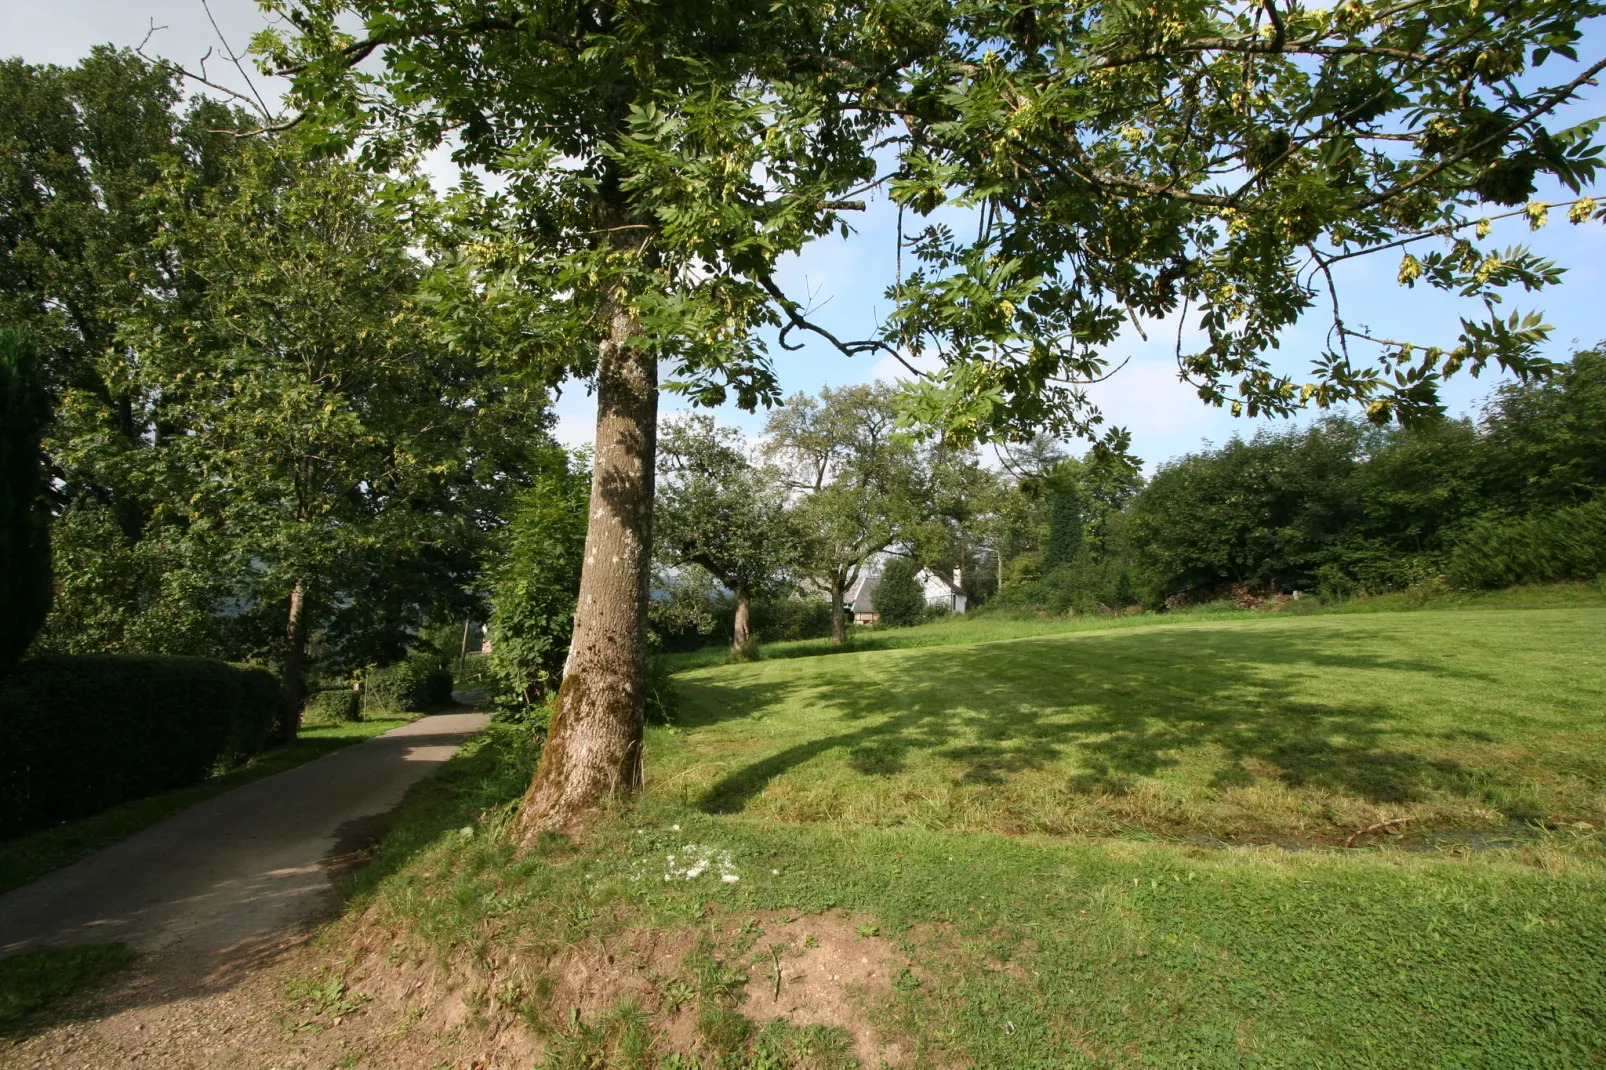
(776, 955)
(1373, 828)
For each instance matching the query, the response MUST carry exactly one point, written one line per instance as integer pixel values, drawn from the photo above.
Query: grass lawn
(30, 857)
(987, 627)
(1268, 728)
(1025, 838)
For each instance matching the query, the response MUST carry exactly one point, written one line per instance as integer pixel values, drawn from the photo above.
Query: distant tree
(24, 512)
(718, 511)
(861, 483)
(1545, 442)
(1270, 509)
(899, 599)
(534, 583)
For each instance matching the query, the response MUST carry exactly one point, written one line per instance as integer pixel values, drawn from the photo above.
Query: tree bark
(741, 635)
(593, 745)
(839, 626)
(292, 692)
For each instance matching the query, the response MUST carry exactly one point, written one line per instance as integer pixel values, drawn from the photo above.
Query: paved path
(244, 865)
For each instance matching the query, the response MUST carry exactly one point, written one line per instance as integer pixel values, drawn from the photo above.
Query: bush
(898, 598)
(81, 733)
(417, 683)
(332, 707)
(1567, 544)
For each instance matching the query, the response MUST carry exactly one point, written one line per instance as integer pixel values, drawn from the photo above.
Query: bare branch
(797, 321)
(228, 51)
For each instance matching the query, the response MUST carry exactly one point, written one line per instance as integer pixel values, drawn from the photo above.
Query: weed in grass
(321, 998)
(33, 981)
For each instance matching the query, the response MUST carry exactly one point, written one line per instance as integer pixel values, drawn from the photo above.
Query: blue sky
(845, 279)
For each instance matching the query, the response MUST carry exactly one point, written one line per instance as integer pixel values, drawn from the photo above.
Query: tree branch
(1538, 109)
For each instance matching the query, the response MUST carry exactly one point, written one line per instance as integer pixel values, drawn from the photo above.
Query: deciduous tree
(718, 511)
(1122, 159)
(860, 483)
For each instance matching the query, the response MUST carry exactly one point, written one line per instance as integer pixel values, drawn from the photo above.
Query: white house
(940, 591)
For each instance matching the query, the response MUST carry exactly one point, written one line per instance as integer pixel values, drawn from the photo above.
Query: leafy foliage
(334, 706)
(719, 512)
(419, 682)
(535, 580)
(1344, 509)
(1564, 544)
(24, 517)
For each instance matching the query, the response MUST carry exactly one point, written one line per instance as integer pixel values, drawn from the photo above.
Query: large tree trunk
(741, 634)
(593, 746)
(292, 692)
(839, 624)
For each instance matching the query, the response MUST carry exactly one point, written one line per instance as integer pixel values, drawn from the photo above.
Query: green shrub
(1565, 544)
(81, 733)
(332, 707)
(418, 682)
(898, 597)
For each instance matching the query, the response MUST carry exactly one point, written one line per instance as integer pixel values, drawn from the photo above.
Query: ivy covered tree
(24, 511)
(719, 512)
(1125, 159)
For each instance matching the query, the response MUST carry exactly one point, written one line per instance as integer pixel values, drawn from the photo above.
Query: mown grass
(1034, 951)
(1026, 820)
(33, 980)
(983, 627)
(27, 858)
(1276, 728)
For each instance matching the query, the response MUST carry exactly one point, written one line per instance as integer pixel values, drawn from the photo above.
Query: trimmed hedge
(332, 707)
(79, 733)
(417, 683)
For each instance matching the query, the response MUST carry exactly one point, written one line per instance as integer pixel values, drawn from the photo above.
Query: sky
(844, 280)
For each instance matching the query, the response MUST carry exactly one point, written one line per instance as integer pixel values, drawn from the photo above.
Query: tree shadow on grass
(1111, 710)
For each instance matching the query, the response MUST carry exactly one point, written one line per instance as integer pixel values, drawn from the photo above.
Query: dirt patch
(372, 997)
(833, 970)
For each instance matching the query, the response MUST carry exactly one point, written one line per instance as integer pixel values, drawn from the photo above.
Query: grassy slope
(1300, 728)
(28, 858)
(896, 770)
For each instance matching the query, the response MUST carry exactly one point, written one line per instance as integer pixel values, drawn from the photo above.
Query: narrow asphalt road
(244, 865)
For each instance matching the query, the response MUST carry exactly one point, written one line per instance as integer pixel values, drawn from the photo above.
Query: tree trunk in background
(741, 635)
(839, 626)
(593, 746)
(291, 690)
